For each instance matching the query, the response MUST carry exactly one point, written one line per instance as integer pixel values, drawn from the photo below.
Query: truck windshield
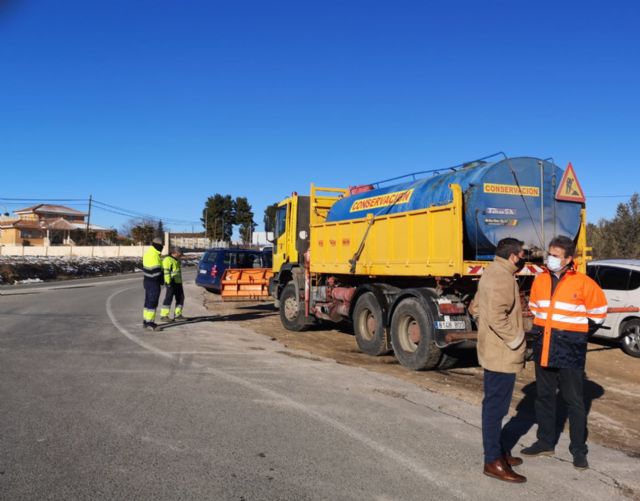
(281, 220)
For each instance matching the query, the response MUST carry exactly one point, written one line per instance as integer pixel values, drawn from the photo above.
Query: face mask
(520, 264)
(554, 263)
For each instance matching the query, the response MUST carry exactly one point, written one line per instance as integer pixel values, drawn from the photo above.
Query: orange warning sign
(570, 189)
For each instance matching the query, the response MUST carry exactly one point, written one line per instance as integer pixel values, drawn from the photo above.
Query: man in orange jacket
(567, 307)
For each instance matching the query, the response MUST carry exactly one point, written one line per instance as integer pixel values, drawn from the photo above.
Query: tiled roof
(51, 209)
(94, 227)
(23, 224)
(60, 224)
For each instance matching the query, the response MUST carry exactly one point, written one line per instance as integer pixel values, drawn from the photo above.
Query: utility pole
(86, 236)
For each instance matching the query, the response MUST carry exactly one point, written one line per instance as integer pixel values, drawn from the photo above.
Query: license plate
(451, 324)
(202, 272)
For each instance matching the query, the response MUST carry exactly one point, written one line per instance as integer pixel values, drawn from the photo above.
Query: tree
(218, 217)
(244, 218)
(111, 236)
(128, 227)
(160, 229)
(141, 231)
(619, 237)
(270, 217)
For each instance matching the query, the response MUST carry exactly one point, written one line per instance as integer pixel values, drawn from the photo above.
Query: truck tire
(630, 338)
(292, 309)
(368, 326)
(412, 336)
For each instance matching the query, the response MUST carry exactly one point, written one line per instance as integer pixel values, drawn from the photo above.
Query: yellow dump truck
(401, 259)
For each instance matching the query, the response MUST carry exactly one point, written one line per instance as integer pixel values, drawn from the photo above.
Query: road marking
(36, 290)
(355, 435)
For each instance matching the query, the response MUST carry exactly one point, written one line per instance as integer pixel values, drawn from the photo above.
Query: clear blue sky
(153, 105)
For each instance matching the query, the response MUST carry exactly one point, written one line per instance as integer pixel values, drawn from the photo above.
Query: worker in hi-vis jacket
(152, 270)
(173, 285)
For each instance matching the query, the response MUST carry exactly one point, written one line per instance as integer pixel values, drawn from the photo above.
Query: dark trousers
(498, 390)
(176, 291)
(152, 289)
(570, 382)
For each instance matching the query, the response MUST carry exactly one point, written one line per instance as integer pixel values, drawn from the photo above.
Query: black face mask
(520, 264)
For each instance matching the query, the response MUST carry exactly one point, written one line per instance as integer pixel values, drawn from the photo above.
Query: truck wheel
(630, 338)
(412, 336)
(368, 326)
(292, 309)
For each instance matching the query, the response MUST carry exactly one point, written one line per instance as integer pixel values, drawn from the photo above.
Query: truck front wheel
(412, 336)
(368, 326)
(292, 309)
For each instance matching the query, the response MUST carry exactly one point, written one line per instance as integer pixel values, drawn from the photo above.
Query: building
(45, 224)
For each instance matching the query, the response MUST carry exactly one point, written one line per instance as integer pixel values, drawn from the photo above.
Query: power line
(608, 196)
(133, 213)
(27, 200)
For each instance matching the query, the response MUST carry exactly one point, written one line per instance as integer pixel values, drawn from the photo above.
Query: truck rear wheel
(368, 326)
(292, 309)
(412, 336)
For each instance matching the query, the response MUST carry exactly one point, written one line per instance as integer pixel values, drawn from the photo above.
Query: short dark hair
(508, 246)
(564, 243)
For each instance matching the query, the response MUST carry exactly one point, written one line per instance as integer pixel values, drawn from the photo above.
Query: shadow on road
(520, 424)
(213, 318)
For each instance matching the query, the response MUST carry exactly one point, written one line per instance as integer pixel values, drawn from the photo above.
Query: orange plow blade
(245, 284)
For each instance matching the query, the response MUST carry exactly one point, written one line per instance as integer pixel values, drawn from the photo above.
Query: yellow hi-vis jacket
(172, 270)
(152, 264)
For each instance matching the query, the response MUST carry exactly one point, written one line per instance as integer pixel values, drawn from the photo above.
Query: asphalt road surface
(92, 407)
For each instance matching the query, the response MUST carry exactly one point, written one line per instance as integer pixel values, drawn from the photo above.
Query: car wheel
(630, 337)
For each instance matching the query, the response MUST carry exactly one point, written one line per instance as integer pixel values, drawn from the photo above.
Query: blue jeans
(498, 390)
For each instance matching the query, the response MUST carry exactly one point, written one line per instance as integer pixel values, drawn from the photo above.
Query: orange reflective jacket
(565, 314)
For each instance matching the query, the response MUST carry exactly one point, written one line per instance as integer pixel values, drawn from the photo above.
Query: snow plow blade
(245, 284)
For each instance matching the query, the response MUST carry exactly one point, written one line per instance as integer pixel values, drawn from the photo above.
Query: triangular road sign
(570, 189)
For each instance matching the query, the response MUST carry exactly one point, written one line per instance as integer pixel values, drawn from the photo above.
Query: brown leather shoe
(512, 460)
(502, 471)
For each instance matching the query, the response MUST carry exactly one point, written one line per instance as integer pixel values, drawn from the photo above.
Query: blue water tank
(508, 198)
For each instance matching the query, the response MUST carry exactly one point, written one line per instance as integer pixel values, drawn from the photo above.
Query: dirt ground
(612, 391)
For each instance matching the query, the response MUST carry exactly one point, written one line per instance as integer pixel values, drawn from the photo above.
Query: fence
(196, 242)
(73, 250)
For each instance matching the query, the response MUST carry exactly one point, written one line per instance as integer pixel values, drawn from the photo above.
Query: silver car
(620, 280)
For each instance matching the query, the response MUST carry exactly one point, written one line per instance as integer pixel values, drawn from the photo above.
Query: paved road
(92, 407)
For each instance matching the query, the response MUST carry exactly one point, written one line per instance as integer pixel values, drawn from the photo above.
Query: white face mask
(554, 263)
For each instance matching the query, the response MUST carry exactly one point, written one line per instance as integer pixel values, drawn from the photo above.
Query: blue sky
(153, 105)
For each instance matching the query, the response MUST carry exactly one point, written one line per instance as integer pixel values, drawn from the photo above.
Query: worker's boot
(166, 319)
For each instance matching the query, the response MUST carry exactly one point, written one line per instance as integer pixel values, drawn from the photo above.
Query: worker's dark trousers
(152, 287)
(570, 383)
(176, 291)
(498, 390)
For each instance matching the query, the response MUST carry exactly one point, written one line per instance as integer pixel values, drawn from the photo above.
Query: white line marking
(67, 285)
(405, 461)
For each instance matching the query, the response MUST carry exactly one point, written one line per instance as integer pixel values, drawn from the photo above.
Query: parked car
(215, 261)
(620, 280)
